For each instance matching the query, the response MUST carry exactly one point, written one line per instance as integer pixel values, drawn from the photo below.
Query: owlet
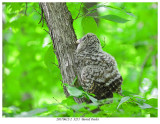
(98, 69)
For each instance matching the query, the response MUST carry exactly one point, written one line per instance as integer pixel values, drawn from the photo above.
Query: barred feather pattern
(98, 69)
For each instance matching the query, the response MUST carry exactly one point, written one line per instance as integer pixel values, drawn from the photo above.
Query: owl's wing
(101, 78)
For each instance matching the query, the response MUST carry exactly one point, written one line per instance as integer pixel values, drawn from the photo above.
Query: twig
(38, 12)
(26, 9)
(63, 105)
(154, 61)
(47, 31)
(55, 64)
(79, 12)
(42, 17)
(61, 82)
(85, 14)
(143, 64)
(104, 43)
(41, 20)
(56, 100)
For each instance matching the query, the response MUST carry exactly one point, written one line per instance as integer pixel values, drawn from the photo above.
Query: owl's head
(88, 43)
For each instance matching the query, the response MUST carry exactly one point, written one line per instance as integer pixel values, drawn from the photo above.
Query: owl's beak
(78, 41)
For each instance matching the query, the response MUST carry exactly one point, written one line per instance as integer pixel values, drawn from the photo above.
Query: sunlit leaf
(78, 106)
(153, 102)
(73, 91)
(69, 101)
(92, 106)
(124, 99)
(140, 100)
(144, 106)
(94, 100)
(65, 84)
(49, 58)
(131, 14)
(113, 8)
(127, 93)
(74, 81)
(32, 112)
(114, 18)
(15, 7)
(89, 25)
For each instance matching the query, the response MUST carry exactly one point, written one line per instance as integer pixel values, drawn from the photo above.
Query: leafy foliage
(89, 27)
(31, 78)
(120, 107)
(114, 18)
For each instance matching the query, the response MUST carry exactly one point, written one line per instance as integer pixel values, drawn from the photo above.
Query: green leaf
(69, 101)
(73, 91)
(91, 94)
(108, 108)
(127, 93)
(78, 107)
(74, 8)
(94, 9)
(140, 100)
(32, 112)
(144, 106)
(74, 81)
(94, 100)
(102, 5)
(131, 14)
(120, 9)
(89, 25)
(49, 58)
(114, 18)
(114, 7)
(124, 99)
(16, 7)
(153, 102)
(65, 84)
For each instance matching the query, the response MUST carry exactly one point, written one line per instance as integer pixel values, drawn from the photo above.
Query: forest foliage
(32, 81)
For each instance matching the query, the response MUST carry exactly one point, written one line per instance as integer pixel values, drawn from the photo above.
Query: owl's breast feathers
(99, 74)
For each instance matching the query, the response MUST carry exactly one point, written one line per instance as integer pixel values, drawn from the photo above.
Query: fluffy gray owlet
(98, 69)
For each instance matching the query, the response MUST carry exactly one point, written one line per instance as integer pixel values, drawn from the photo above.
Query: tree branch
(59, 22)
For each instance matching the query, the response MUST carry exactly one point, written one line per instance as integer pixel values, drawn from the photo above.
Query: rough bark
(59, 22)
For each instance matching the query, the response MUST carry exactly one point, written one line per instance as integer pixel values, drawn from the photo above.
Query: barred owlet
(98, 69)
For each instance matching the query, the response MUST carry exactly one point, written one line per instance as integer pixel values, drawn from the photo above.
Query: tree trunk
(59, 22)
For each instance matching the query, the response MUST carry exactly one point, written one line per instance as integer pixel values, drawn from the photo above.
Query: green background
(30, 77)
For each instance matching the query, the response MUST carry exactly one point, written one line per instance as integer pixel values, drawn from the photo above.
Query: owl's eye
(84, 38)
